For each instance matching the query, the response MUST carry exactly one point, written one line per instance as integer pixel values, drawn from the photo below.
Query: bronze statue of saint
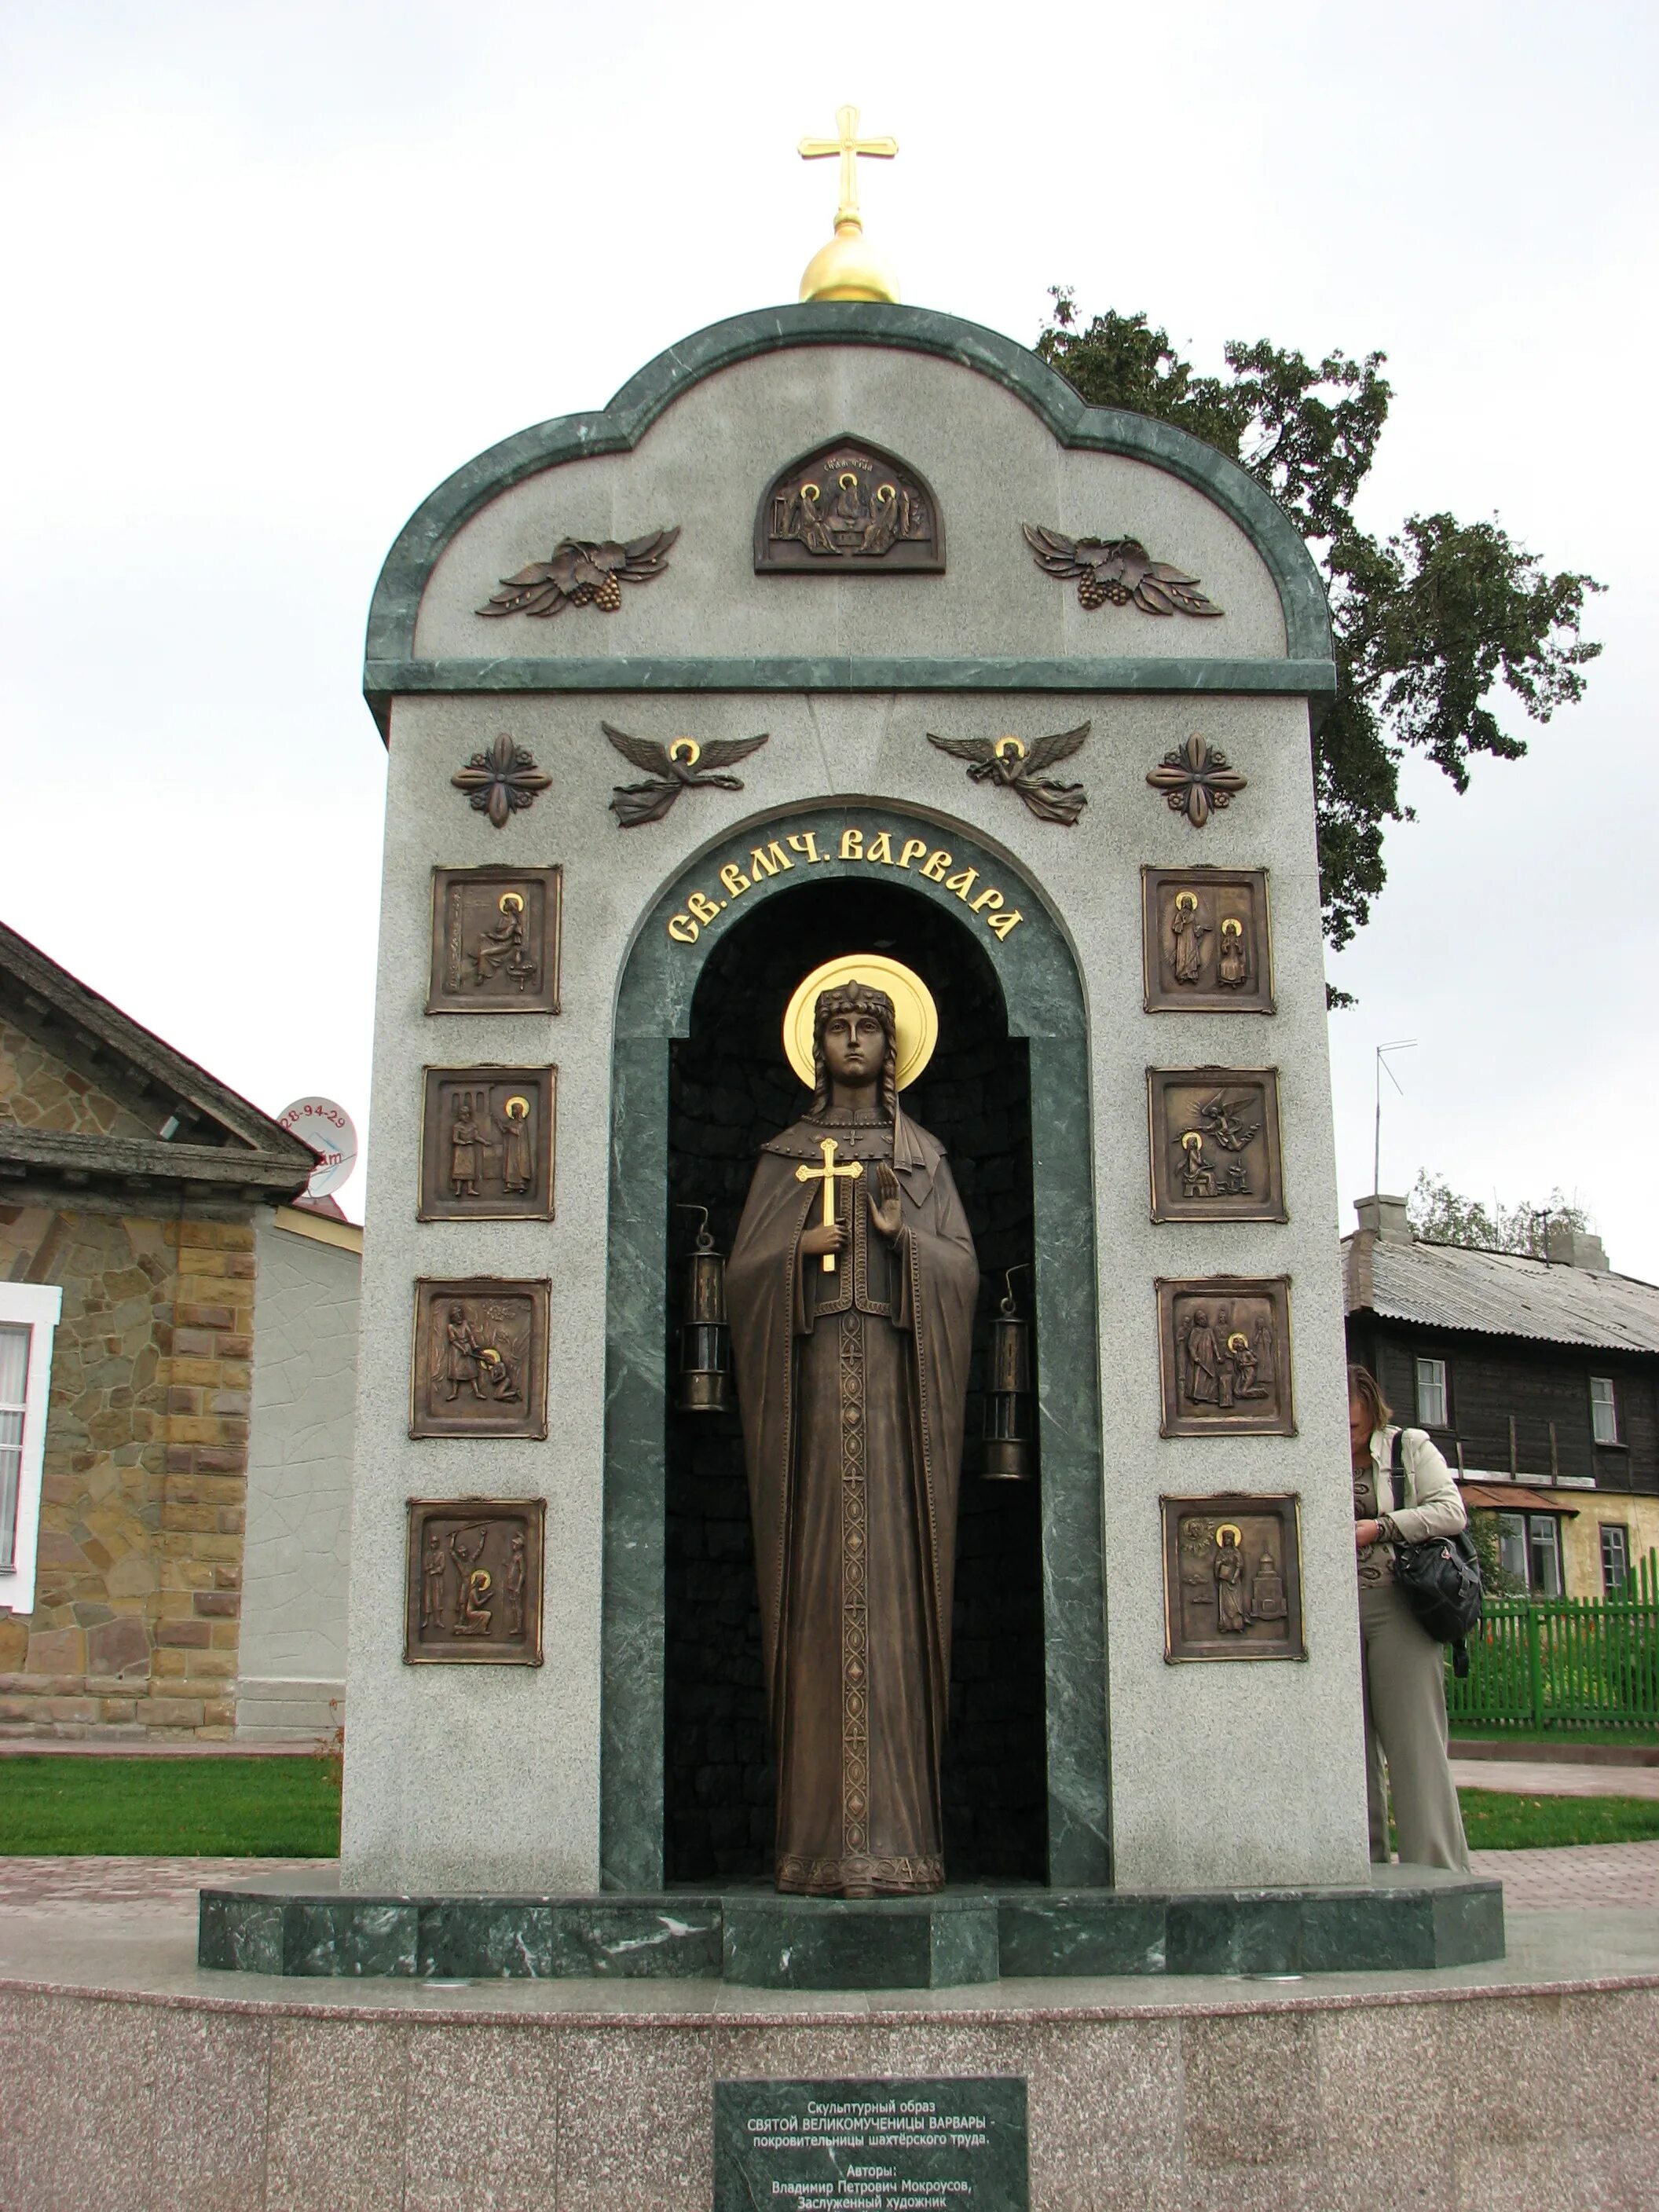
(850, 1290)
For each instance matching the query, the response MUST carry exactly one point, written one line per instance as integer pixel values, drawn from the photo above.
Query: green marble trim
(1045, 1002)
(386, 680)
(1406, 1919)
(619, 428)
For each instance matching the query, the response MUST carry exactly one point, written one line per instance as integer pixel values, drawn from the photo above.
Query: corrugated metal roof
(1500, 1294)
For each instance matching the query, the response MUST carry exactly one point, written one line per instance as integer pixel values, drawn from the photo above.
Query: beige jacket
(1433, 1506)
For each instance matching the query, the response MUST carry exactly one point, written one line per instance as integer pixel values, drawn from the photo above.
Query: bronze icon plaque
(1224, 1354)
(1213, 1137)
(480, 1358)
(495, 940)
(1232, 1578)
(1205, 939)
(849, 504)
(487, 1144)
(474, 1595)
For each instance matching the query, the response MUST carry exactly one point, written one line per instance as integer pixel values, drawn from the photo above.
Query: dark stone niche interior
(731, 1089)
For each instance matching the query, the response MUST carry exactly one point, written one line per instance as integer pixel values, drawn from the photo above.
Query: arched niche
(1042, 992)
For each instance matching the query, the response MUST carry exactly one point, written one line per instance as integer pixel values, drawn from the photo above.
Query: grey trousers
(1403, 1672)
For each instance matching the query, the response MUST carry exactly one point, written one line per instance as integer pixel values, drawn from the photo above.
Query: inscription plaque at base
(882, 2146)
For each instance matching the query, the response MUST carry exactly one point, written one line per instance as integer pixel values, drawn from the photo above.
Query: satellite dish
(327, 1129)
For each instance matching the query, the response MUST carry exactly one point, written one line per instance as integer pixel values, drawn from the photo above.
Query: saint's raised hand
(887, 1216)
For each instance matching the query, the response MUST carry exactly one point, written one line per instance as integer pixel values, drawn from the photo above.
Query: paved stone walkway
(1535, 1778)
(1576, 1878)
(1586, 1877)
(128, 1882)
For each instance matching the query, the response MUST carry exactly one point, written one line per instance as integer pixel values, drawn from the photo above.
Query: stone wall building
(1539, 1379)
(137, 1196)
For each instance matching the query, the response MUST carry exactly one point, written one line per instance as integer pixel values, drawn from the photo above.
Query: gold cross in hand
(849, 146)
(829, 1171)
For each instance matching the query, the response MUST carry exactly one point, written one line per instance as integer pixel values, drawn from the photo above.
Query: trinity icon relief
(1232, 1578)
(1204, 941)
(487, 1144)
(474, 1581)
(495, 940)
(480, 1359)
(1213, 1134)
(849, 504)
(1224, 1356)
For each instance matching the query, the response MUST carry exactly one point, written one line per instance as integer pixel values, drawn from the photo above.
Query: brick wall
(138, 1597)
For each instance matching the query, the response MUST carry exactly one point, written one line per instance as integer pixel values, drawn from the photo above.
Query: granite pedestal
(1406, 1916)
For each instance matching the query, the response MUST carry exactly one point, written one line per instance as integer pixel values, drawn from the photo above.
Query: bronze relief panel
(849, 504)
(474, 1582)
(1213, 1135)
(495, 940)
(487, 1144)
(1224, 1354)
(480, 1358)
(1206, 942)
(1232, 1578)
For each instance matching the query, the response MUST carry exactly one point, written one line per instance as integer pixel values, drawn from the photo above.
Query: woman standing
(1402, 1669)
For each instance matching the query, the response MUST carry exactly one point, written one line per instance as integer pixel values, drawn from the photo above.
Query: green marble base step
(1412, 1917)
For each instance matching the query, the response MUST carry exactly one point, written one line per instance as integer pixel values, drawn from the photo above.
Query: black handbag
(1440, 1577)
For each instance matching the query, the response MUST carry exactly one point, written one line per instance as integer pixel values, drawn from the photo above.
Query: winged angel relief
(1012, 765)
(681, 765)
(583, 572)
(1119, 569)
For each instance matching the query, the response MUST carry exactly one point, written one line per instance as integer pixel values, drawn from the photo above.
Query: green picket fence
(1566, 1662)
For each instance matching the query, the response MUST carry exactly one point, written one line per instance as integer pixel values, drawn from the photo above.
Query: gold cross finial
(849, 146)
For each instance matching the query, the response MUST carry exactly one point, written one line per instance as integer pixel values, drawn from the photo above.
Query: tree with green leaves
(1426, 623)
(1440, 1215)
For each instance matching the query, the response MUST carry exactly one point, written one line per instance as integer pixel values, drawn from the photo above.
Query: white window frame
(1544, 1545)
(36, 1307)
(1440, 1382)
(1620, 1532)
(1598, 1404)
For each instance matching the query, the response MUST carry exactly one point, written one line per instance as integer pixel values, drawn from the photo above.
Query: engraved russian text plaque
(880, 2146)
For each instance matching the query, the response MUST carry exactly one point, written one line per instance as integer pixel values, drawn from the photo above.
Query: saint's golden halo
(1230, 1529)
(685, 749)
(1004, 746)
(511, 901)
(914, 1012)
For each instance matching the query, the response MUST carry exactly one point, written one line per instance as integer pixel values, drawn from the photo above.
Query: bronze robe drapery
(852, 1388)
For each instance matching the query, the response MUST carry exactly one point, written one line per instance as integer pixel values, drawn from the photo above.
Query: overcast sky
(273, 273)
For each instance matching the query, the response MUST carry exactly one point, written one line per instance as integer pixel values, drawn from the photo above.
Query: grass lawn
(1487, 1732)
(1494, 1822)
(290, 1808)
(277, 1808)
